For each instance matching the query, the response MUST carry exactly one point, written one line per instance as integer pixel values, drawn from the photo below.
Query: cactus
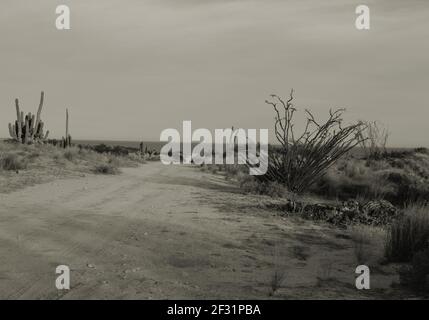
(141, 149)
(67, 140)
(28, 129)
(67, 123)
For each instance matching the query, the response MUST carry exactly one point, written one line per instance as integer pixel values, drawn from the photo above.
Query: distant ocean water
(151, 145)
(157, 145)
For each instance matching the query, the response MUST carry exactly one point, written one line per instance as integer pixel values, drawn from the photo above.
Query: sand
(166, 232)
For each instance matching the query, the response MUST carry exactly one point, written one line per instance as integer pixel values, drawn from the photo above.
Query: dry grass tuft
(408, 235)
(106, 168)
(12, 161)
(368, 243)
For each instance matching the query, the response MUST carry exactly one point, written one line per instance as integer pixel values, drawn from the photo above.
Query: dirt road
(158, 232)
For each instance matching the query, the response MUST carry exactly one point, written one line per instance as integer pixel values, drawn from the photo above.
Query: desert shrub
(248, 184)
(398, 154)
(152, 157)
(115, 161)
(361, 236)
(232, 170)
(214, 168)
(343, 186)
(408, 187)
(271, 188)
(421, 150)
(71, 154)
(375, 139)
(11, 161)
(136, 157)
(304, 158)
(398, 180)
(29, 152)
(354, 169)
(368, 243)
(116, 150)
(408, 235)
(416, 276)
(278, 276)
(106, 168)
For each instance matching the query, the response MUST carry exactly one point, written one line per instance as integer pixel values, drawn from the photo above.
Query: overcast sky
(128, 69)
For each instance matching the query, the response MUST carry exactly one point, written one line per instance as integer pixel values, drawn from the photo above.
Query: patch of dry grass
(26, 165)
(106, 168)
(408, 235)
(399, 177)
(368, 243)
(12, 161)
(416, 275)
(278, 273)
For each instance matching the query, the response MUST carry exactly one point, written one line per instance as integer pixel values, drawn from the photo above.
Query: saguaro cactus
(67, 122)
(28, 129)
(67, 140)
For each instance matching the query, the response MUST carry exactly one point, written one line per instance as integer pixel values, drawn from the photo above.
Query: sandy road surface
(164, 232)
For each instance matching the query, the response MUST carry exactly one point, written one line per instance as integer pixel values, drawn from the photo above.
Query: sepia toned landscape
(131, 227)
(342, 211)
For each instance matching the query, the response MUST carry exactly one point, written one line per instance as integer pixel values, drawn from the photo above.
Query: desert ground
(169, 232)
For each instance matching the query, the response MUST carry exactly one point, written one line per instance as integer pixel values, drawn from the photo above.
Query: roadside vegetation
(24, 165)
(347, 175)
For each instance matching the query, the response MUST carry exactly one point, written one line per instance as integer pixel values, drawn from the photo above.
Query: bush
(421, 150)
(12, 161)
(70, 154)
(232, 170)
(106, 169)
(398, 180)
(116, 150)
(251, 185)
(408, 235)
(344, 183)
(361, 236)
(416, 276)
(376, 140)
(409, 187)
(303, 158)
(136, 157)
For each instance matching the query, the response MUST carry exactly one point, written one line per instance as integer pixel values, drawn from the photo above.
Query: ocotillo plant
(29, 129)
(301, 159)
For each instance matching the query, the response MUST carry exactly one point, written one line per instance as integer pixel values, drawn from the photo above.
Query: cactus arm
(39, 110)
(27, 129)
(40, 131)
(12, 131)
(67, 123)
(32, 119)
(18, 117)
